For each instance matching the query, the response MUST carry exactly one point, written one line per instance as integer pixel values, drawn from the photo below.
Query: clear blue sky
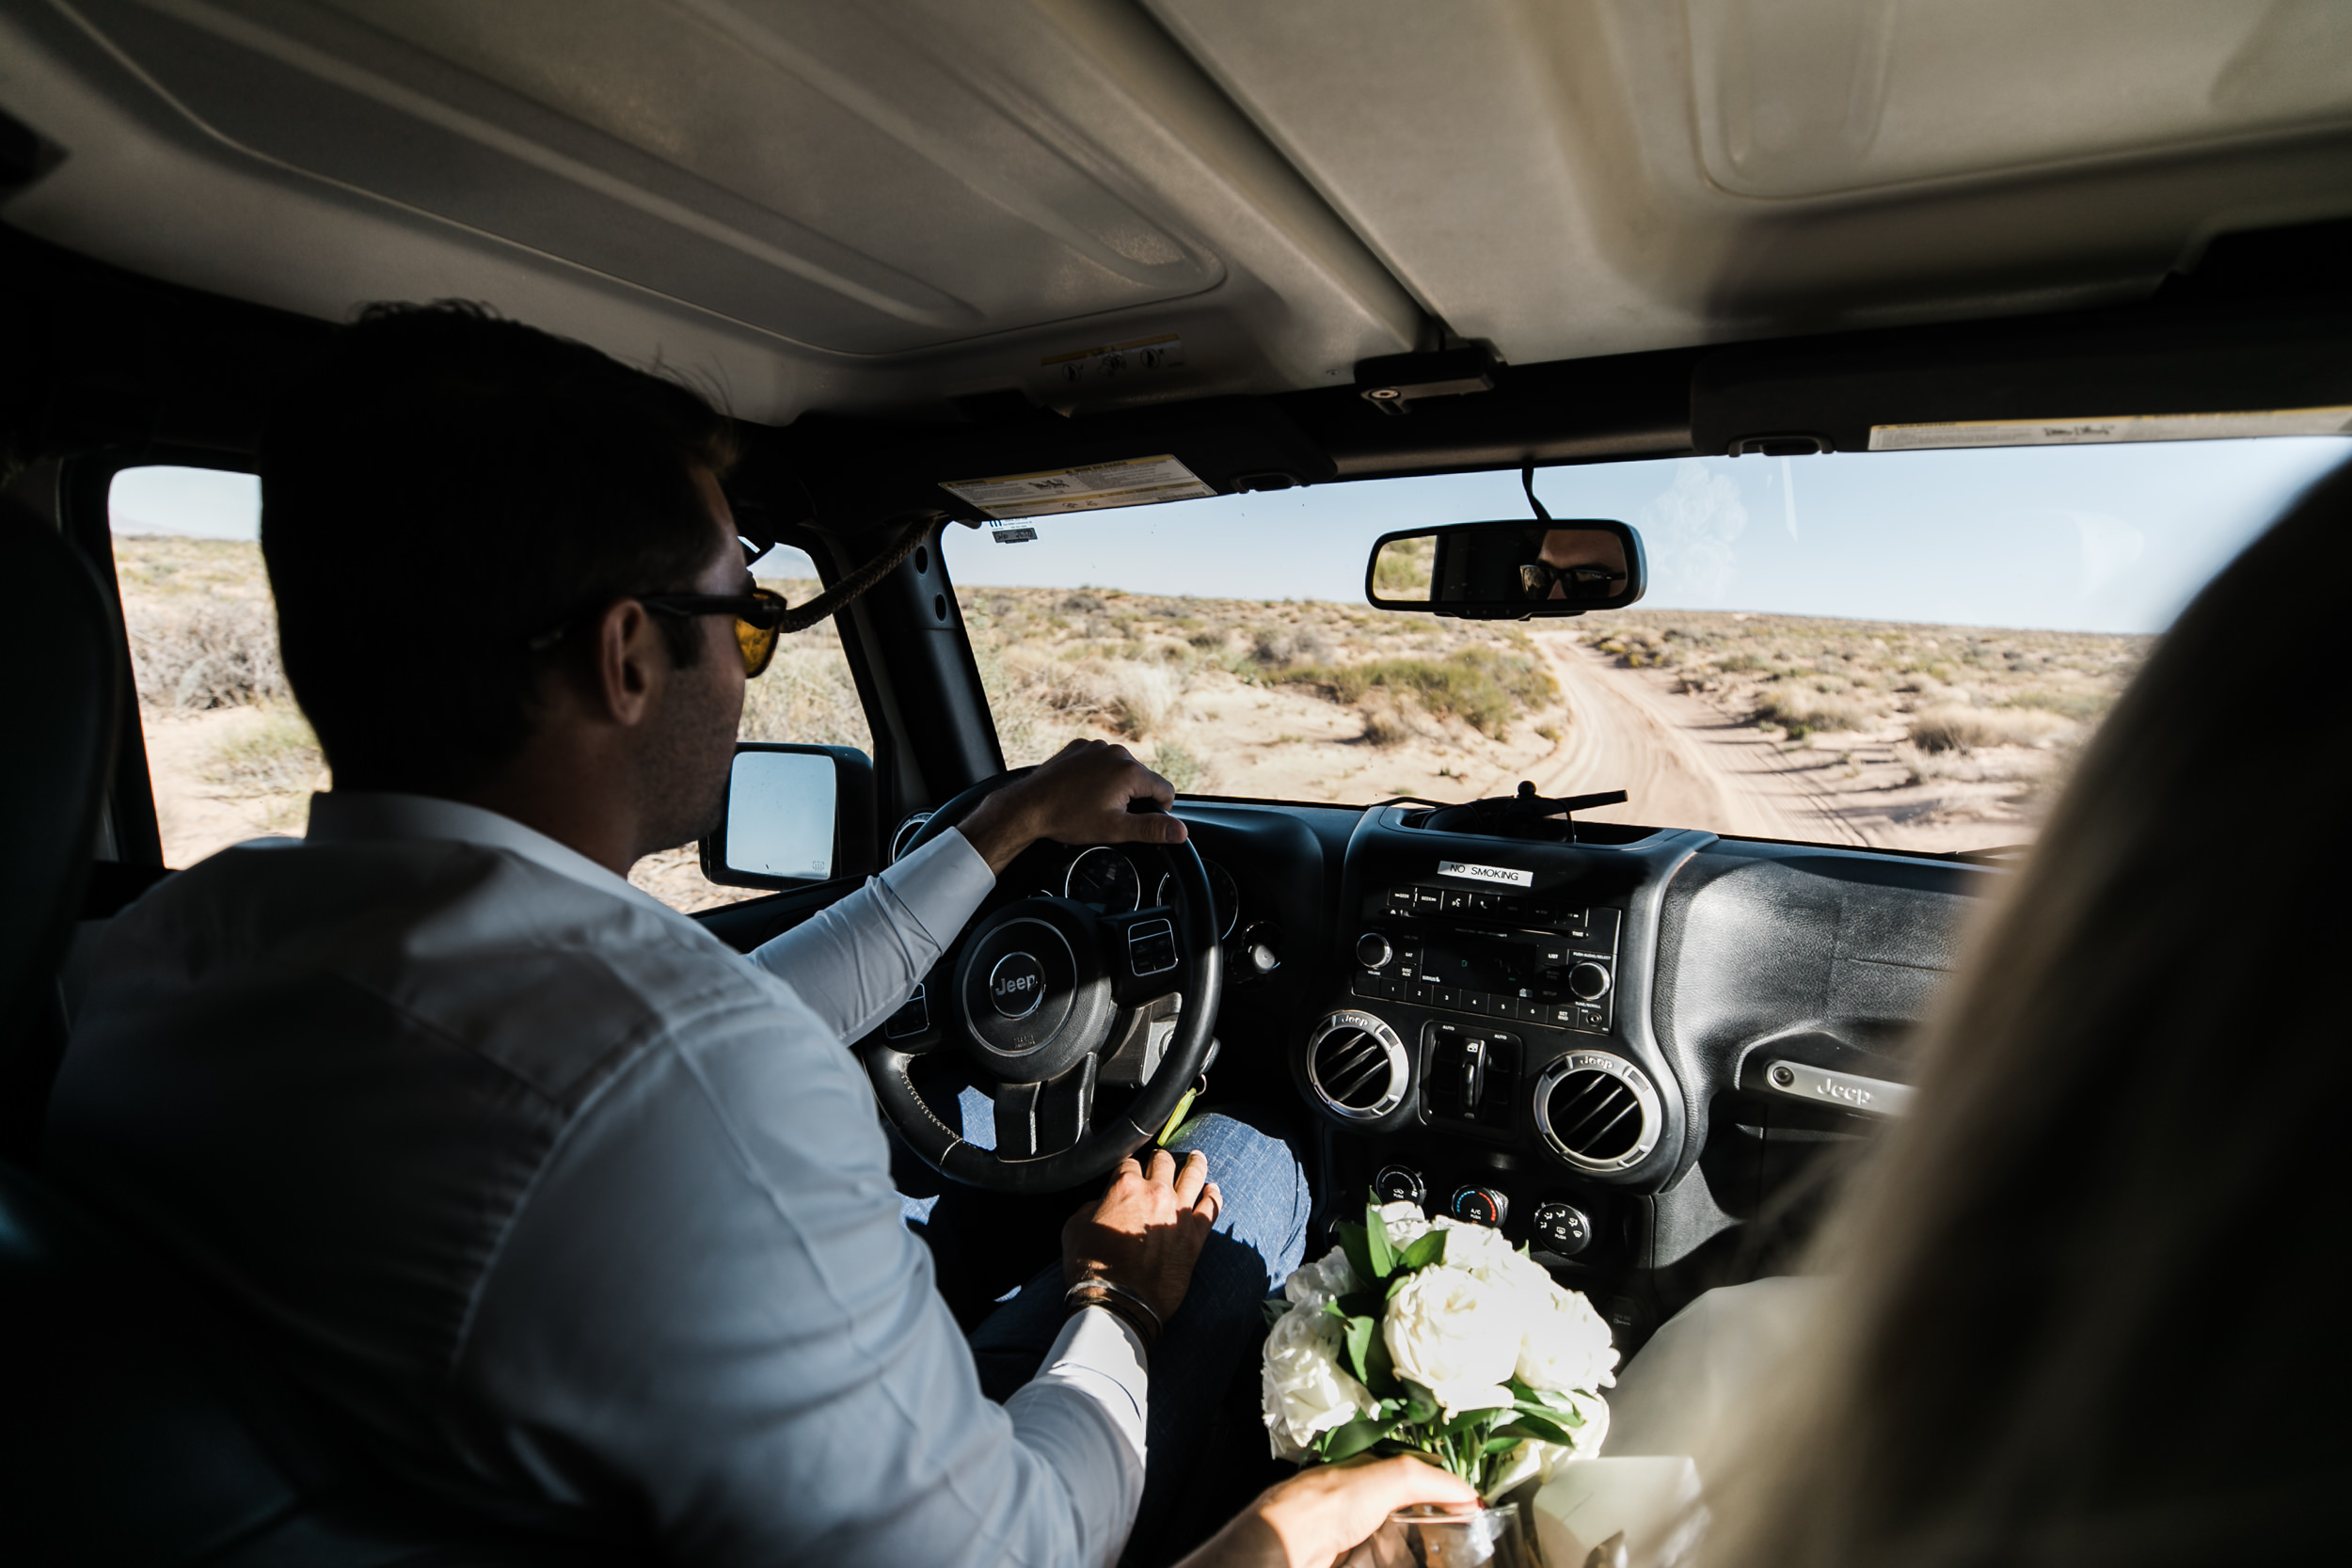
(2101, 538)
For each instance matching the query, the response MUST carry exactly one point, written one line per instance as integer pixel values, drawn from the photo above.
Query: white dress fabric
(573, 1214)
(1709, 1368)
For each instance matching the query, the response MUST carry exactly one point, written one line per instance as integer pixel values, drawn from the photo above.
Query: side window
(230, 754)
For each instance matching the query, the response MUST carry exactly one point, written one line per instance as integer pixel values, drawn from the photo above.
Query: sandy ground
(1686, 763)
(198, 817)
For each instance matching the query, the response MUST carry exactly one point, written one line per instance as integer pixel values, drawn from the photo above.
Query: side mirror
(795, 815)
(1509, 571)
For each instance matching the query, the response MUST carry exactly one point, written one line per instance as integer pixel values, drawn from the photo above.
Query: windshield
(1905, 650)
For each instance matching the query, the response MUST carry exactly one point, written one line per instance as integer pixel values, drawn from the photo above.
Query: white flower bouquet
(1436, 1339)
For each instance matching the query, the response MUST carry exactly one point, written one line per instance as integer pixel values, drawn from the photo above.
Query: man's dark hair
(443, 489)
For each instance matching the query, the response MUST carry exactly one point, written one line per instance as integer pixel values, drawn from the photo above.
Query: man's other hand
(1089, 792)
(1146, 1233)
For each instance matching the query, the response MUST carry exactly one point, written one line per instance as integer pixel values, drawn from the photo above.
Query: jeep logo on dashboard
(1016, 986)
(1502, 874)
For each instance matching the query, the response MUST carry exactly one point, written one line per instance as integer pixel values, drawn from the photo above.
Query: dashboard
(1619, 1051)
(1621, 1047)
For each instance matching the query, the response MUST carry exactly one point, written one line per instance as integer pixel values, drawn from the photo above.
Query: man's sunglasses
(1536, 577)
(758, 621)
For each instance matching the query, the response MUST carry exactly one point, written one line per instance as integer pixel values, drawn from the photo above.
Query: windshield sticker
(2334, 421)
(1502, 874)
(1139, 482)
(1010, 535)
(1162, 353)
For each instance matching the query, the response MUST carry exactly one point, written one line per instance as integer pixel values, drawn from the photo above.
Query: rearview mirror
(1509, 571)
(795, 815)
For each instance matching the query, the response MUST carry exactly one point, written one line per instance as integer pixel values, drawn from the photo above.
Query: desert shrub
(1965, 729)
(1403, 568)
(194, 654)
(1287, 648)
(275, 754)
(2081, 706)
(1801, 710)
(1385, 725)
(1481, 686)
(1140, 698)
(1181, 768)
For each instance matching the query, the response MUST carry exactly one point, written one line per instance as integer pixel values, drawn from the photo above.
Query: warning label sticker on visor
(1138, 482)
(2125, 427)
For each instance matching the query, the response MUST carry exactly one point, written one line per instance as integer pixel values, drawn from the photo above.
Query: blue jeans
(1260, 1236)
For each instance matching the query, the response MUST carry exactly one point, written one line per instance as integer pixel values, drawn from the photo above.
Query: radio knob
(1479, 1205)
(1400, 1184)
(1563, 1227)
(1372, 950)
(1589, 981)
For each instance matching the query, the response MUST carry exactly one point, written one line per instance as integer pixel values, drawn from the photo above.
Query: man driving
(578, 1220)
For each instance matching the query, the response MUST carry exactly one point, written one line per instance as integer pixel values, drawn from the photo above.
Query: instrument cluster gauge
(905, 835)
(1222, 888)
(1106, 879)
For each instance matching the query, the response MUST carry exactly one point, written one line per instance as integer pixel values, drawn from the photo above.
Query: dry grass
(1969, 729)
(276, 755)
(808, 695)
(1059, 663)
(202, 632)
(1801, 710)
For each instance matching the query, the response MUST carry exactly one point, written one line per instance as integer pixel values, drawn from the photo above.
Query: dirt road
(1683, 762)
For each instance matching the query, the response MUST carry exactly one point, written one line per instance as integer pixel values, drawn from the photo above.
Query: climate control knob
(1479, 1205)
(1372, 950)
(1563, 1228)
(1400, 1184)
(1589, 982)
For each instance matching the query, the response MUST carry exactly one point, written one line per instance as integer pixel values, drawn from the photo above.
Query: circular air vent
(1358, 1066)
(1599, 1113)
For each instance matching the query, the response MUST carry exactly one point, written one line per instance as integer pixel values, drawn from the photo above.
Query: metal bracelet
(1119, 1291)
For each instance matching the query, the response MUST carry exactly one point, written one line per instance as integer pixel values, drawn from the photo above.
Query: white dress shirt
(582, 1219)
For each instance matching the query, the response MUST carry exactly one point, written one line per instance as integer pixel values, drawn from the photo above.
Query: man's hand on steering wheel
(1089, 792)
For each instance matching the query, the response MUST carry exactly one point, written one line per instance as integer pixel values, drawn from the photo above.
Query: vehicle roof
(922, 208)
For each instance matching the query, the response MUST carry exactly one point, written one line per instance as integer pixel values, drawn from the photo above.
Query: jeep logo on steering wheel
(1016, 986)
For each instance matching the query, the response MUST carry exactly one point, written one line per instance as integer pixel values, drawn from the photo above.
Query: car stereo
(1490, 954)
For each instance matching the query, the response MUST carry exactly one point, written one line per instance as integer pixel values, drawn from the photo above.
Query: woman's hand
(1322, 1513)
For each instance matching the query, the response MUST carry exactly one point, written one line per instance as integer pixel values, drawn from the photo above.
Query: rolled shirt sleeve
(856, 962)
(709, 1293)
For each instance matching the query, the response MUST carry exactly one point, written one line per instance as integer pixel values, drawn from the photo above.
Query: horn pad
(1033, 990)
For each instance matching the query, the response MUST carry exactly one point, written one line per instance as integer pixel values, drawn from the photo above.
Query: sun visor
(856, 470)
(2075, 383)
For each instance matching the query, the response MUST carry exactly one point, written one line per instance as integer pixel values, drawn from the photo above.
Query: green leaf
(1471, 1420)
(1333, 1310)
(1357, 1338)
(1379, 1367)
(1540, 1426)
(1499, 1443)
(1424, 1251)
(1353, 1243)
(1361, 1303)
(1351, 1439)
(1377, 1249)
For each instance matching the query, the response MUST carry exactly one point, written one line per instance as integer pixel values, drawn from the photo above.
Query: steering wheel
(1031, 992)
